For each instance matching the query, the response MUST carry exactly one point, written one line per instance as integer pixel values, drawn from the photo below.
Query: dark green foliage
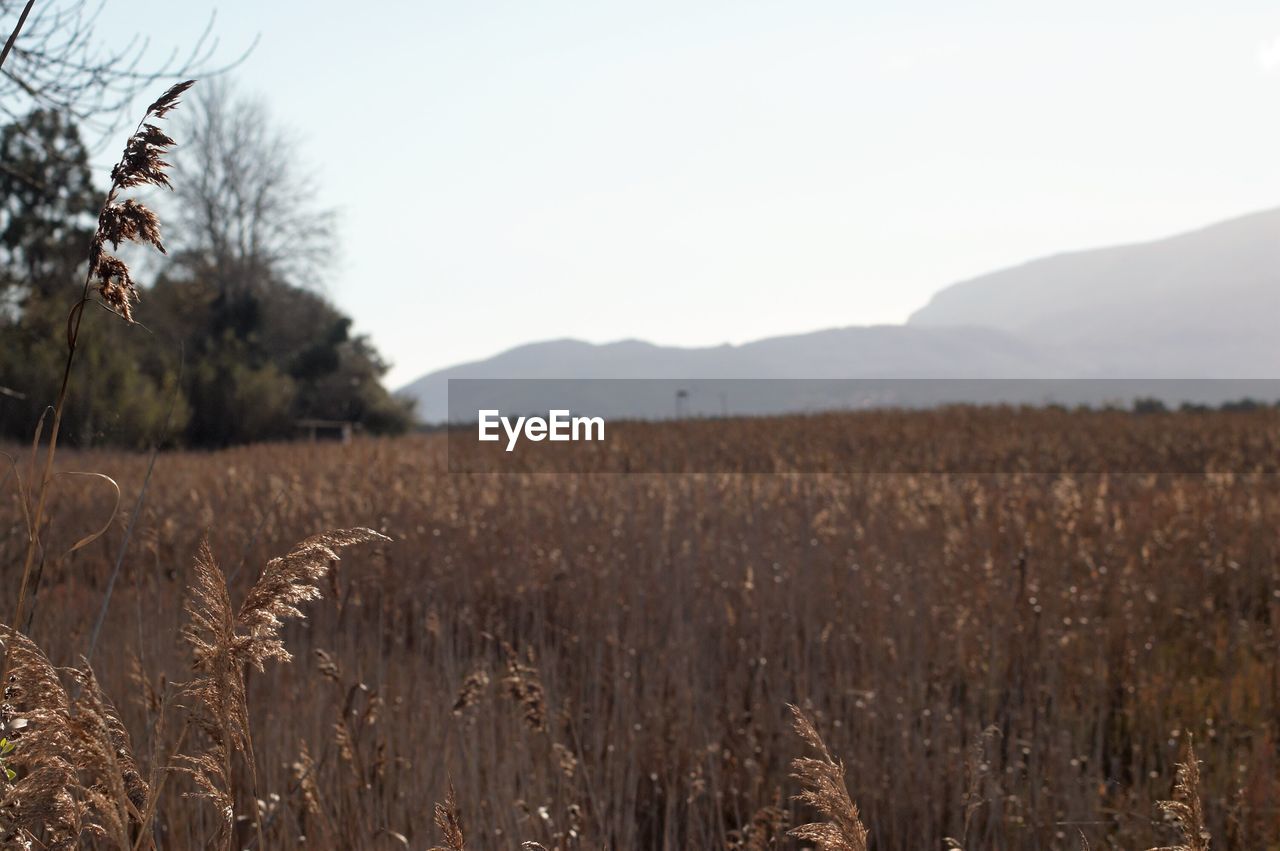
(47, 204)
(226, 350)
(263, 354)
(1245, 404)
(123, 392)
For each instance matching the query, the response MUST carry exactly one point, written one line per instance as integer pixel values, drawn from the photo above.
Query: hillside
(884, 351)
(1197, 305)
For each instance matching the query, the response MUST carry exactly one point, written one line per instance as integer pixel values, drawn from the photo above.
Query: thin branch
(13, 36)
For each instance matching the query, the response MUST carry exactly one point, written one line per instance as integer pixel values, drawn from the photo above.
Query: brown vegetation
(1006, 662)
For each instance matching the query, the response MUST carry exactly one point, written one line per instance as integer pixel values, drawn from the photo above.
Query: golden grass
(822, 777)
(1185, 810)
(1095, 621)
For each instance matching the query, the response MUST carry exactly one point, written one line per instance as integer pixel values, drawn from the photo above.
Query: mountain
(878, 351)
(1202, 304)
(1199, 304)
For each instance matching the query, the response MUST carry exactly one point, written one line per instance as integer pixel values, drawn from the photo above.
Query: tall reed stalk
(142, 164)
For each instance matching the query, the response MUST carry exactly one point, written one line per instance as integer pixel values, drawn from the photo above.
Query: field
(1001, 661)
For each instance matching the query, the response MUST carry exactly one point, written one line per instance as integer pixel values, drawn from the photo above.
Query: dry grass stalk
(219, 706)
(565, 759)
(225, 642)
(825, 791)
(448, 817)
(1185, 810)
(923, 539)
(40, 805)
(525, 687)
(767, 829)
(76, 773)
(141, 164)
(115, 791)
(472, 690)
(304, 774)
(328, 666)
(285, 583)
(146, 692)
(977, 769)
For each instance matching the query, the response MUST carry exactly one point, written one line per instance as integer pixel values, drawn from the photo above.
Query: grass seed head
(825, 791)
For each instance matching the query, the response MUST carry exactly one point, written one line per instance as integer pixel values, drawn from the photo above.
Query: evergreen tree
(123, 394)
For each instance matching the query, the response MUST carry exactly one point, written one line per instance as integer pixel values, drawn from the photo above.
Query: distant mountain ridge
(1202, 304)
(878, 351)
(1199, 304)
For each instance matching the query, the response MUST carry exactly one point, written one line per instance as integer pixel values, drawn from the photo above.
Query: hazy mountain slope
(860, 352)
(1202, 304)
(1199, 304)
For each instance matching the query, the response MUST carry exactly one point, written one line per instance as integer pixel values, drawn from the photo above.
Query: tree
(60, 63)
(237, 304)
(47, 205)
(261, 357)
(246, 208)
(127, 392)
(252, 247)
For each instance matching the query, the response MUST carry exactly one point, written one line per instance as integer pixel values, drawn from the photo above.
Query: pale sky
(695, 172)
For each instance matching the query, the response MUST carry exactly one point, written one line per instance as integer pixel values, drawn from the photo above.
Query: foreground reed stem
(141, 164)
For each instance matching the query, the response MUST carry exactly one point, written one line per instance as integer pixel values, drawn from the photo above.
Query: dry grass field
(1000, 661)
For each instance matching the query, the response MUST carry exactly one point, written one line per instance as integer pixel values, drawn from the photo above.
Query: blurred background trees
(235, 340)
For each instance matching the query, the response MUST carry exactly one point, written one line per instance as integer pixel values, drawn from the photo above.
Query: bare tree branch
(245, 205)
(62, 63)
(13, 36)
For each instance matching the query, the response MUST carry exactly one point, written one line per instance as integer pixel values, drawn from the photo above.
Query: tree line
(235, 341)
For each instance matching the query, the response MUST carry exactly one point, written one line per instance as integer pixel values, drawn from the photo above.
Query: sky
(699, 172)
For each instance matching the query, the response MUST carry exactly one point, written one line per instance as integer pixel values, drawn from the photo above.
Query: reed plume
(40, 805)
(1185, 809)
(448, 817)
(524, 686)
(472, 690)
(284, 584)
(75, 771)
(219, 706)
(141, 164)
(225, 642)
(110, 783)
(825, 791)
(767, 828)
